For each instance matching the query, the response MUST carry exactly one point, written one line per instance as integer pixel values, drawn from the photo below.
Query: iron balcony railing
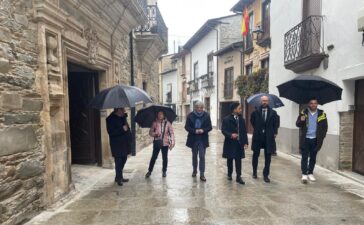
(144, 5)
(155, 25)
(303, 40)
(228, 90)
(207, 81)
(193, 86)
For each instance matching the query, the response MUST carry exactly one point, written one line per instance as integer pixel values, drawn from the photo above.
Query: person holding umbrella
(163, 134)
(120, 141)
(313, 125)
(236, 140)
(264, 122)
(198, 125)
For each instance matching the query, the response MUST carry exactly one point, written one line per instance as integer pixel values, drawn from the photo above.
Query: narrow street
(181, 199)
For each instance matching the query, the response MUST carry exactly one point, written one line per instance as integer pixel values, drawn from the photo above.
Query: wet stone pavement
(181, 199)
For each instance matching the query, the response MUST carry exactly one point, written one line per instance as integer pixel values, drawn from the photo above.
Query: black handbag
(158, 143)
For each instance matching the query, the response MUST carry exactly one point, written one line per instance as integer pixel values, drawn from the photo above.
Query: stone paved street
(181, 199)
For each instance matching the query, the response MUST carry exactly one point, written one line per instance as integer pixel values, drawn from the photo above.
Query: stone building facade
(55, 55)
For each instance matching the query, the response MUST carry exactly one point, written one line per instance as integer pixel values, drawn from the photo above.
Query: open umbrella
(305, 87)
(120, 96)
(146, 116)
(274, 101)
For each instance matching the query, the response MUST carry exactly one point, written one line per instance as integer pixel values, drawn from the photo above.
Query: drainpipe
(132, 83)
(217, 82)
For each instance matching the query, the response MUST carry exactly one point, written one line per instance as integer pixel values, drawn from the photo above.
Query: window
(183, 65)
(266, 17)
(264, 63)
(249, 37)
(311, 8)
(210, 64)
(249, 69)
(229, 82)
(144, 85)
(195, 70)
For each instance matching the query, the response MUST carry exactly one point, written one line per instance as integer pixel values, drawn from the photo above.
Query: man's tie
(237, 121)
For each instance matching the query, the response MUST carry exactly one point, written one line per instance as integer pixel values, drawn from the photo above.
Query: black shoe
(266, 180)
(194, 174)
(230, 177)
(125, 180)
(274, 154)
(164, 174)
(240, 181)
(148, 174)
(255, 176)
(120, 183)
(203, 178)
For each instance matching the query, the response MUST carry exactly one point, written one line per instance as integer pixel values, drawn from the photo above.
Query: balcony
(193, 86)
(152, 37)
(207, 81)
(228, 90)
(303, 45)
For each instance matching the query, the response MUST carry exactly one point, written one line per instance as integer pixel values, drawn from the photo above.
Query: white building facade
(331, 47)
(212, 36)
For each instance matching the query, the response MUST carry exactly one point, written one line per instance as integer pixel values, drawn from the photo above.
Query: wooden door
(358, 150)
(82, 118)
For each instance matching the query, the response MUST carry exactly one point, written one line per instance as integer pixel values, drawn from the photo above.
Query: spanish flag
(245, 22)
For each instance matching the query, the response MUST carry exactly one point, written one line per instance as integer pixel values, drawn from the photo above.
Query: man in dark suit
(198, 125)
(120, 141)
(264, 122)
(236, 140)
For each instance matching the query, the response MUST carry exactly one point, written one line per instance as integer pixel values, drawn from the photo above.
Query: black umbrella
(274, 101)
(120, 96)
(305, 87)
(146, 116)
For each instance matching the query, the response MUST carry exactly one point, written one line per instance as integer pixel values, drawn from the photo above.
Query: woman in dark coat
(264, 122)
(236, 140)
(198, 125)
(120, 141)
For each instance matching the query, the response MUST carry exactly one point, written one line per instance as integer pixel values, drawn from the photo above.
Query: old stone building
(55, 55)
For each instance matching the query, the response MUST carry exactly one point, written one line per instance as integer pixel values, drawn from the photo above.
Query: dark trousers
(119, 167)
(268, 158)
(198, 150)
(155, 154)
(309, 151)
(230, 166)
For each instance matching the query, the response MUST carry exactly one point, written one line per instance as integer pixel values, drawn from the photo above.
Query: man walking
(198, 125)
(313, 126)
(264, 122)
(236, 140)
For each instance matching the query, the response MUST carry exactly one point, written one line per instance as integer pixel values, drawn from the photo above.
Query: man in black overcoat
(264, 122)
(236, 140)
(120, 141)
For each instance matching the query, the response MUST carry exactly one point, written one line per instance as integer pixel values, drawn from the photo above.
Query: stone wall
(35, 152)
(21, 156)
(346, 140)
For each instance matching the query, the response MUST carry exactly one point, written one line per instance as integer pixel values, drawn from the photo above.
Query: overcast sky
(185, 17)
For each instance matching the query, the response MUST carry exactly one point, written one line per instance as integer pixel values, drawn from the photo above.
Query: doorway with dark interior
(85, 131)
